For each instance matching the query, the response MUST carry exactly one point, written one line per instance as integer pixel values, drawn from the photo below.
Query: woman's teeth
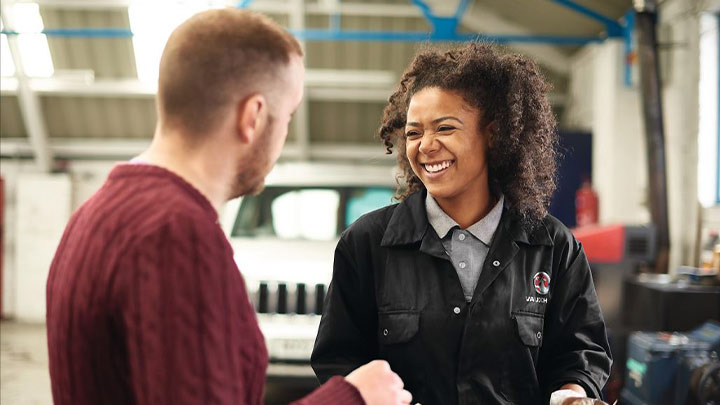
(437, 167)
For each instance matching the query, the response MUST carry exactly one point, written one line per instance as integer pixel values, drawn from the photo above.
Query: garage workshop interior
(490, 201)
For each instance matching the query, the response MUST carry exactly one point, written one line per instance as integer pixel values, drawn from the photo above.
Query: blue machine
(661, 365)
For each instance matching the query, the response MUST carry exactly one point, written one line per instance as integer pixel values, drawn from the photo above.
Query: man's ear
(252, 114)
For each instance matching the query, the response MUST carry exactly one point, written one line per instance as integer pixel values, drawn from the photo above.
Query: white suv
(284, 241)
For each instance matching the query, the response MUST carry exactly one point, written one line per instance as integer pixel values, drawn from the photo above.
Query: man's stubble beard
(251, 176)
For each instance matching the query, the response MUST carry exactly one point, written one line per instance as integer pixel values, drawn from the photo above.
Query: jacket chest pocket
(529, 327)
(397, 326)
(519, 381)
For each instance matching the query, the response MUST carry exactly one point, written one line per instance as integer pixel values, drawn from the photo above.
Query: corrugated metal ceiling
(545, 17)
(11, 124)
(107, 57)
(335, 122)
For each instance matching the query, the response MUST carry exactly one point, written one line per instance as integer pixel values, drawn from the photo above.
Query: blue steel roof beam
(614, 28)
(78, 32)
(410, 36)
(628, 39)
(532, 39)
(424, 8)
(347, 35)
(244, 3)
(444, 28)
(461, 8)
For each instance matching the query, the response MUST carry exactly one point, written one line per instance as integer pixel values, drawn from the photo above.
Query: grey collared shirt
(467, 248)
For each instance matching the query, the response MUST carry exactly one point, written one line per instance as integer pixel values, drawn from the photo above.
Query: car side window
(364, 200)
(306, 214)
(310, 213)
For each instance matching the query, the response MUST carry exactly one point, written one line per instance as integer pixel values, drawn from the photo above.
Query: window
(310, 213)
(709, 131)
(306, 214)
(34, 50)
(152, 22)
(7, 67)
(362, 201)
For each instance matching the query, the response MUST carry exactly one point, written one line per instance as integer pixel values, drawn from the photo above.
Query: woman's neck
(469, 207)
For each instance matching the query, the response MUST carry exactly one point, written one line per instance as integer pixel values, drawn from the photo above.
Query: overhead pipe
(645, 22)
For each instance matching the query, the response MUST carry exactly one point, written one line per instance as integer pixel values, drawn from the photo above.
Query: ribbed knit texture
(146, 305)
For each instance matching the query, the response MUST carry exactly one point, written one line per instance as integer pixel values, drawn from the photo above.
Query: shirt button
(539, 335)
(496, 263)
(462, 265)
(461, 236)
(456, 310)
(385, 332)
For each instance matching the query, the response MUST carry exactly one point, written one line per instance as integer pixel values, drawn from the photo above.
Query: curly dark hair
(509, 90)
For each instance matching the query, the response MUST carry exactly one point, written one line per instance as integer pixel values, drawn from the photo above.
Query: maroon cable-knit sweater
(145, 304)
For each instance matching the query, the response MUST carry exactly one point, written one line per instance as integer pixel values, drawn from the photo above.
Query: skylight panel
(34, 50)
(152, 22)
(7, 67)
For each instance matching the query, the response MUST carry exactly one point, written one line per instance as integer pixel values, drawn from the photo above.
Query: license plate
(291, 349)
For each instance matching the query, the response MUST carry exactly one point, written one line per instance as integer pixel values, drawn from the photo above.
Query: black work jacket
(396, 296)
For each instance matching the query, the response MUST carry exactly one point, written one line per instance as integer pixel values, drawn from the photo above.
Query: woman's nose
(428, 144)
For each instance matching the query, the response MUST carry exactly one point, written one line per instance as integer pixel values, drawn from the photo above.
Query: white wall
(43, 209)
(681, 109)
(599, 102)
(37, 208)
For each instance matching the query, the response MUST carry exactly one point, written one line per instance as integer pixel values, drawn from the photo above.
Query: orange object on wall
(2, 239)
(602, 244)
(586, 205)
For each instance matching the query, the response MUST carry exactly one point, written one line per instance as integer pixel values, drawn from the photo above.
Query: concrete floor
(24, 377)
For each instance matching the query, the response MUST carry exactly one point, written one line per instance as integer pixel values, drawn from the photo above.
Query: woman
(467, 287)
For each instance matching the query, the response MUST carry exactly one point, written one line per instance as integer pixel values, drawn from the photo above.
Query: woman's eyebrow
(448, 117)
(435, 121)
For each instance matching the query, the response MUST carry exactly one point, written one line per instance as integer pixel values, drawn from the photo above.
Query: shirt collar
(483, 229)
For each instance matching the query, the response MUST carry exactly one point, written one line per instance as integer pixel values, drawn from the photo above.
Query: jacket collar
(483, 230)
(409, 224)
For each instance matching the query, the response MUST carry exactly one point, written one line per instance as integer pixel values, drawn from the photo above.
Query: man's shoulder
(120, 209)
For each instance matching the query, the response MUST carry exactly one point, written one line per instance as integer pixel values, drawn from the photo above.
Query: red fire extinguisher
(586, 205)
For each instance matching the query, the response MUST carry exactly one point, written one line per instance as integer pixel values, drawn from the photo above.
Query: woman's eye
(412, 134)
(445, 129)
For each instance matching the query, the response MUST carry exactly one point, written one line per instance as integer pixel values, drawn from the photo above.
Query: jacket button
(385, 332)
(496, 263)
(456, 310)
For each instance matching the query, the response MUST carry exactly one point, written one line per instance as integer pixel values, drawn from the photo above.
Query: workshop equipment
(659, 364)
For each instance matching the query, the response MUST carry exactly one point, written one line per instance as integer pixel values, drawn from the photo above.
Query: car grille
(270, 297)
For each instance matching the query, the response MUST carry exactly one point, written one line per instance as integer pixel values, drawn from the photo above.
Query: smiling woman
(467, 287)
(446, 147)
(504, 101)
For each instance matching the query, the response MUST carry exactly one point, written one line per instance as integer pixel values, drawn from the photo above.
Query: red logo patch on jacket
(541, 282)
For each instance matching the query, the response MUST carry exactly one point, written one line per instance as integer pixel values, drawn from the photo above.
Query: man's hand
(378, 385)
(573, 394)
(583, 401)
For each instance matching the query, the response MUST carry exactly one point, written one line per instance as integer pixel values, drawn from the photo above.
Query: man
(144, 302)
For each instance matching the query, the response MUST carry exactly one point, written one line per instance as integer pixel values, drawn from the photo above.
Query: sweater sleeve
(189, 337)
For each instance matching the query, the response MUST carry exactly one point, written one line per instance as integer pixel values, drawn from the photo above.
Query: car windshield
(312, 213)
